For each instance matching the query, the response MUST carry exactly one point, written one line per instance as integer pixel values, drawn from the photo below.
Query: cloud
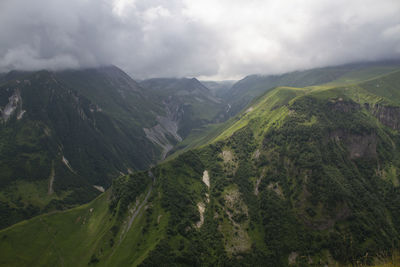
(208, 38)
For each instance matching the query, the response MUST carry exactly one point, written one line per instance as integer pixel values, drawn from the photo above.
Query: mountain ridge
(53, 126)
(302, 176)
(250, 87)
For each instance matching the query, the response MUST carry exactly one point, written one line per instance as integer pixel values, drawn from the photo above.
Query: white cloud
(121, 8)
(277, 36)
(219, 39)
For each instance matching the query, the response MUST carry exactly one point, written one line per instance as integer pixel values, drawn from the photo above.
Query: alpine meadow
(187, 133)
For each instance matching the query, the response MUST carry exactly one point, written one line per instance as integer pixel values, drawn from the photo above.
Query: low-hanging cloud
(208, 38)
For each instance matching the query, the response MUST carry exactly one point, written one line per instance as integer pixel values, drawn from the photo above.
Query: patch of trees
(126, 189)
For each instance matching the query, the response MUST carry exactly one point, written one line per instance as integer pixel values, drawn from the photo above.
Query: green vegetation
(69, 131)
(243, 92)
(86, 234)
(316, 153)
(302, 176)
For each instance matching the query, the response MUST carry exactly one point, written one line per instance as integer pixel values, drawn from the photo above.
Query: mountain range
(65, 135)
(295, 169)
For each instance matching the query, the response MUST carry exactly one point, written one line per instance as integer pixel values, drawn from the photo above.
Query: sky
(210, 39)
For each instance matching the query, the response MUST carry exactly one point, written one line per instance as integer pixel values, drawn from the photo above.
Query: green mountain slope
(102, 229)
(245, 90)
(63, 133)
(305, 176)
(243, 93)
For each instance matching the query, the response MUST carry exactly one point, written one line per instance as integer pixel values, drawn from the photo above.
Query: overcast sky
(214, 39)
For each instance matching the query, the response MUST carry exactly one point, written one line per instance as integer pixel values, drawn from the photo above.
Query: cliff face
(340, 105)
(14, 103)
(388, 115)
(357, 145)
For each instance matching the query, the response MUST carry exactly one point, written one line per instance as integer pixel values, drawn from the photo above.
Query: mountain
(241, 94)
(188, 105)
(303, 176)
(219, 88)
(65, 135)
(250, 87)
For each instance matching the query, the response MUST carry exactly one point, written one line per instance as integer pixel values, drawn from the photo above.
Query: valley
(298, 169)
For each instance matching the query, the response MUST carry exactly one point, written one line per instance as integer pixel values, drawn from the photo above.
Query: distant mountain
(303, 176)
(188, 104)
(250, 87)
(64, 134)
(219, 88)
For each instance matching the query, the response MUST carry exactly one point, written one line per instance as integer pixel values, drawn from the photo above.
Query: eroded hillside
(304, 176)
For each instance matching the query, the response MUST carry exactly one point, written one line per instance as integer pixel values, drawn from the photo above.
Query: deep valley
(297, 169)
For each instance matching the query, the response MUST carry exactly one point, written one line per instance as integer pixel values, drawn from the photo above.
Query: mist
(208, 39)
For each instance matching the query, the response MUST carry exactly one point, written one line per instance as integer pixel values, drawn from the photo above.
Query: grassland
(323, 160)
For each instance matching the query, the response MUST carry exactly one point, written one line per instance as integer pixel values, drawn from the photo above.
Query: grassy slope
(84, 116)
(278, 109)
(367, 76)
(278, 231)
(251, 87)
(84, 235)
(61, 238)
(276, 227)
(258, 89)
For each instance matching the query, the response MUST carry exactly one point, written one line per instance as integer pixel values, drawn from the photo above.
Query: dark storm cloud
(220, 39)
(144, 38)
(49, 34)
